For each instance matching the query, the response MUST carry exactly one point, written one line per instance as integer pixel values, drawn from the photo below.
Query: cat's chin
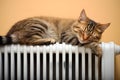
(83, 42)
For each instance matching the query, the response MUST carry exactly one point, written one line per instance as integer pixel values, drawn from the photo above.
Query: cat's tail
(5, 40)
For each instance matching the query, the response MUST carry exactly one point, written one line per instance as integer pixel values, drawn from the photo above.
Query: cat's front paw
(96, 48)
(52, 41)
(99, 53)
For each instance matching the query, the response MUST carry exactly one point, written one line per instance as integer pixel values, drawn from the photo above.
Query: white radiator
(55, 62)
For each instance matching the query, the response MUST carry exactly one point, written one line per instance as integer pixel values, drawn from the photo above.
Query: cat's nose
(85, 36)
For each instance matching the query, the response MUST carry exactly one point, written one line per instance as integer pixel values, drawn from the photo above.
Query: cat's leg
(31, 39)
(37, 41)
(95, 48)
(43, 41)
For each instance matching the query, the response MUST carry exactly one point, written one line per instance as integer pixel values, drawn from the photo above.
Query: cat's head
(88, 30)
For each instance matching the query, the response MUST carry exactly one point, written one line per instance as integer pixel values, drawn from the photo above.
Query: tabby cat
(48, 30)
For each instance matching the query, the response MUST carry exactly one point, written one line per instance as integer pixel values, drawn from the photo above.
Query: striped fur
(48, 30)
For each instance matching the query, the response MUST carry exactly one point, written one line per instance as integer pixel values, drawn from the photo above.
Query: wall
(103, 11)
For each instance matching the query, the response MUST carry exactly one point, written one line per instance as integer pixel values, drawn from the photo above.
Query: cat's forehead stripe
(91, 25)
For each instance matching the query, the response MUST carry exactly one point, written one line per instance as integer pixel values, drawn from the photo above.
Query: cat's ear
(103, 27)
(83, 15)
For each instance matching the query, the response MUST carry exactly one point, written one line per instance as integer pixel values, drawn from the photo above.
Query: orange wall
(100, 10)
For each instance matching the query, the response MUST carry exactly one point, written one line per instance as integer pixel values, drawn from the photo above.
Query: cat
(49, 30)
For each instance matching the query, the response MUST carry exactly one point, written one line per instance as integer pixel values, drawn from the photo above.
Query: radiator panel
(54, 62)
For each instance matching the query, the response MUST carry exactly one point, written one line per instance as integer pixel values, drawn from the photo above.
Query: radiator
(56, 62)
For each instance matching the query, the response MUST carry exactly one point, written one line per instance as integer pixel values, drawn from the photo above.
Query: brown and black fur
(48, 30)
